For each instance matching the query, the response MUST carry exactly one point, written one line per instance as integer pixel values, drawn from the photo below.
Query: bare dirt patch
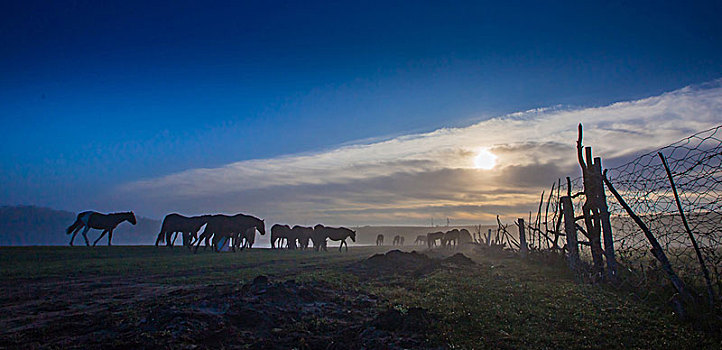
(407, 263)
(257, 315)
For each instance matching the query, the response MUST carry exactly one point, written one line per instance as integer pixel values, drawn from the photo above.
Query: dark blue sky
(96, 94)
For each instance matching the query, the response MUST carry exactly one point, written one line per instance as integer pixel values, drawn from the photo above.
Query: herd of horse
(445, 239)
(239, 231)
(234, 231)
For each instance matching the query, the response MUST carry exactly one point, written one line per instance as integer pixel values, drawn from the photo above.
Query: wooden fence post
(571, 231)
(657, 250)
(488, 238)
(592, 218)
(601, 204)
(523, 249)
(705, 272)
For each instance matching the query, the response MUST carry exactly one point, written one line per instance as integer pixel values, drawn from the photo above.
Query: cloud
(409, 179)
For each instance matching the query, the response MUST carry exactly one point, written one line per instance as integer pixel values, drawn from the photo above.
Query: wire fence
(695, 164)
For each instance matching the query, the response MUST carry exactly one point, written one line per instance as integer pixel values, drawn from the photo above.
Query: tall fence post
(488, 238)
(601, 204)
(592, 218)
(523, 249)
(571, 232)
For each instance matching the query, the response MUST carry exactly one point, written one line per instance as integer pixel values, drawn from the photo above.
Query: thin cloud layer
(411, 179)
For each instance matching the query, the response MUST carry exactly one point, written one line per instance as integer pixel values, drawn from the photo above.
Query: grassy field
(146, 297)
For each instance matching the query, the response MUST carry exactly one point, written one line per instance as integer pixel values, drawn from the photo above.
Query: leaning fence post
(523, 249)
(601, 204)
(571, 231)
(656, 248)
(710, 291)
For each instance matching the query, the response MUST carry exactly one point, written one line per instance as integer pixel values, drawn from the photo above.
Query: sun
(485, 160)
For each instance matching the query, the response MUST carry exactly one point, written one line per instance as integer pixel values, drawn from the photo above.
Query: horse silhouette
(187, 226)
(450, 236)
(303, 235)
(396, 241)
(334, 234)
(232, 227)
(279, 233)
(105, 222)
(465, 236)
(420, 240)
(248, 238)
(319, 238)
(380, 240)
(431, 238)
(321, 233)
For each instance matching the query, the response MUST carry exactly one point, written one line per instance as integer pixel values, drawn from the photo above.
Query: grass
(502, 302)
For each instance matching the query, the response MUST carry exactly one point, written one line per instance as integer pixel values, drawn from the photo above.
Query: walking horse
(105, 222)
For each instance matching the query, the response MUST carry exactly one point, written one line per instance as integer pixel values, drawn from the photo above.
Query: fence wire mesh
(695, 163)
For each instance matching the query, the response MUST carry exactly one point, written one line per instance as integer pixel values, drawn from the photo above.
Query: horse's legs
(208, 241)
(110, 236)
(75, 233)
(160, 235)
(85, 235)
(176, 237)
(198, 242)
(101, 236)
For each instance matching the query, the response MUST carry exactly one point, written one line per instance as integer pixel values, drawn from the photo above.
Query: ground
(147, 297)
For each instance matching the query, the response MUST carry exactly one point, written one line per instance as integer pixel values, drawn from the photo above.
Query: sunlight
(485, 160)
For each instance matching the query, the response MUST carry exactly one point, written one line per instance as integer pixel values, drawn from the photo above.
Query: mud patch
(261, 314)
(411, 264)
(396, 261)
(459, 259)
(285, 315)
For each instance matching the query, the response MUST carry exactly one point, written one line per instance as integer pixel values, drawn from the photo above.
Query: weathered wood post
(590, 209)
(601, 204)
(523, 248)
(571, 232)
(488, 238)
(700, 259)
(657, 250)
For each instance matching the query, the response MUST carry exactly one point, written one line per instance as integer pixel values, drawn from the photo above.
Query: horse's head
(318, 227)
(352, 235)
(131, 218)
(261, 227)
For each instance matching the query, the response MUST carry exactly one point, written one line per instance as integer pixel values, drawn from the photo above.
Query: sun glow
(485, 160)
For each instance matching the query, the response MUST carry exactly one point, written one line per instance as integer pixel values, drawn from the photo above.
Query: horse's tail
(74, 226)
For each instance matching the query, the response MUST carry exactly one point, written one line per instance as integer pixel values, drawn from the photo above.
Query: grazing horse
(396, 241)
(450, 236)
(335, 234)
(303, 235)
(279, 233)
(319, 238)
(105, 222)
(187, 226)
(431, 238)
(465, 236)
(420, 239)
(232, 227)
(380, 240)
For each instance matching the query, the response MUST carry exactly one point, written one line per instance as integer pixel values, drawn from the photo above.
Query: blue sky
(100, 96)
